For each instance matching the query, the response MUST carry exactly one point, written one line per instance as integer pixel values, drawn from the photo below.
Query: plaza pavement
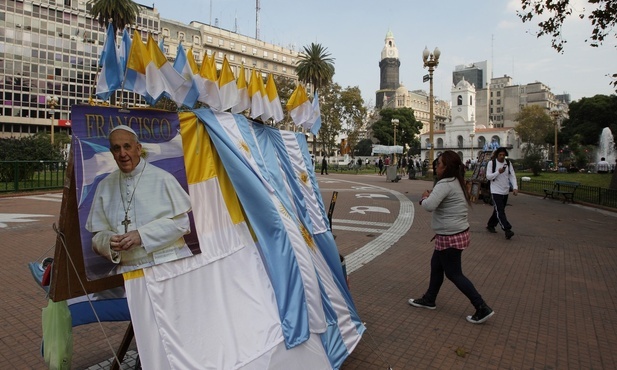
(553, 286)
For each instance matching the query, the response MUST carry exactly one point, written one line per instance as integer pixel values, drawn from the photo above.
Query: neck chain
(127, 207)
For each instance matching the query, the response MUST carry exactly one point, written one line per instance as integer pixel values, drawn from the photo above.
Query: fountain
(606, 146)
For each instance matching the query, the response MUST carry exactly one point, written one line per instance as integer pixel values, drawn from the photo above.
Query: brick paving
(553, 285)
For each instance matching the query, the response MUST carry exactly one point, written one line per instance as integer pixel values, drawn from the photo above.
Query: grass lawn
(589, 179)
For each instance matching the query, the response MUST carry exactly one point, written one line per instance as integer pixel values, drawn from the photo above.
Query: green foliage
(602, 16)
(315, 66)
(408, 128)
(353, 114)
(364, 147)
(588, 117)
(331, 116)
(121, 12)
(535, 126)
(532, 159)
(29, 148)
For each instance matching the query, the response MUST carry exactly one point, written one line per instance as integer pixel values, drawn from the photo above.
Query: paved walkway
(553, 286)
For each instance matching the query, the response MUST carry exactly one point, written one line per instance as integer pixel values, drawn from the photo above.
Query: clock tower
(389, 71)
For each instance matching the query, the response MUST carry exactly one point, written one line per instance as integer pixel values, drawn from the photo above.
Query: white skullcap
(123, 127)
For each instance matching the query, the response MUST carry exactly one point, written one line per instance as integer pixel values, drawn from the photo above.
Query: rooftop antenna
(492, 56)
(210, 21)
(236, 23)
(257, 8)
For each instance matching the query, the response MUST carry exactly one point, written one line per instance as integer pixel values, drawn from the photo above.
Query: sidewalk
(553, 285)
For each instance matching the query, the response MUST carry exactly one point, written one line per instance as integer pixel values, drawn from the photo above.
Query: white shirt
(500, 182)
(159, 211)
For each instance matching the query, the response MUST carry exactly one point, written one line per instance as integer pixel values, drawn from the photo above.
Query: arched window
(471, 100)
(481, 141)
(460, 154)
(440, 143)
(426, 143)
(459, 100)
(496, 140)
(459, 141)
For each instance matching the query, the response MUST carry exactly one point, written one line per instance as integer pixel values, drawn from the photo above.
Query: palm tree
(121, 12)
(315, 66)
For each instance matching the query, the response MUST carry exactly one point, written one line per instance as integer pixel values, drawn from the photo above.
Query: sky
(465, 32)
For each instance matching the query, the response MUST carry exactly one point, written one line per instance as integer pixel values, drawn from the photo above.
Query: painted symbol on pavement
(18, 218)
(363, 209)
(364, 195)
(363, 187)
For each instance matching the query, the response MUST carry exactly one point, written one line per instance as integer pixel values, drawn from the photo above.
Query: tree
(121, 12)
(331, 116)
(364, 147)
(534, 128)
(588, 117)
(315, 66)
(353, 114)
(408, 127)
(602, 15)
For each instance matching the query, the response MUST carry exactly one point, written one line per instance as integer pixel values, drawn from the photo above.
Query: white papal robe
(157, 208)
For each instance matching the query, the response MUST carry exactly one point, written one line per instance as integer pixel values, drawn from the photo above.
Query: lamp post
(556, 113)
(52, 103)
(471, 136)
(395, 126)
(431, 60)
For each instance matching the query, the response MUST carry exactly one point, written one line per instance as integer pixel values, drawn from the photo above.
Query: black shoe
(491, 229)
(482, 314)
(422, 303)
(509, 234)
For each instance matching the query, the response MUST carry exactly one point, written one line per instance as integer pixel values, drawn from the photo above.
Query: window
(498, 101)
(498, 93)
(243, 48)
(471, 100)
(440, 143)
(284, 59)
(459, 100)
(209, 39)
(180, 35)
(254, 51)
(274, 56)
(196, 40)
(221, 42)
(459, 141)
(265, 54)
(232, 45)
(166, 32)
(232, 57)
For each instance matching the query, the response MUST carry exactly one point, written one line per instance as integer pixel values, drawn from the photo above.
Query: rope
(376, 349)
(81, 283)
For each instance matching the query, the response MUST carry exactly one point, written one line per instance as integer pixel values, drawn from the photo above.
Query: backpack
(495, 165)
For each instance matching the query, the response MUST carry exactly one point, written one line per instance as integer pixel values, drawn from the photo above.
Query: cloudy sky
(464, 31)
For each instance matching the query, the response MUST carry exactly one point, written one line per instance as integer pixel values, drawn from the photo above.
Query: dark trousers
(499, 212)
(448, 262)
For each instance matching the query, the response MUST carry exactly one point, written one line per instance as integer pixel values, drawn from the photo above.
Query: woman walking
(449, 203)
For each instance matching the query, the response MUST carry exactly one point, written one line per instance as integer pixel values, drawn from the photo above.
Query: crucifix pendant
(126, 223)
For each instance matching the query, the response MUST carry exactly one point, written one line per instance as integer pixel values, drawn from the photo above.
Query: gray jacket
(449, 207)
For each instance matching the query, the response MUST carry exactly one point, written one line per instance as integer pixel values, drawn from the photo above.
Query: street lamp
(471, 136)
(431, 60)
(556, 113)
(52, 103)
(394, 125)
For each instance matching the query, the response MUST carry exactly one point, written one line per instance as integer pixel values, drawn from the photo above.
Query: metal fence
(587, 194)
(31, 175)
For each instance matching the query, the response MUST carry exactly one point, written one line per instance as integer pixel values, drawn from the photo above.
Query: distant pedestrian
(449, 203)
(380, 165)
(602, 166)
(324, 165)
(501, 176)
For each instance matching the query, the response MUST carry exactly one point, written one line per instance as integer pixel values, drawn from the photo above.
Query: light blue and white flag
(304, 268)
(188, 93)
(110, 78)
(314, 124)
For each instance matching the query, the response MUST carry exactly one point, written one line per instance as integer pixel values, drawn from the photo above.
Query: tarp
(384, 149)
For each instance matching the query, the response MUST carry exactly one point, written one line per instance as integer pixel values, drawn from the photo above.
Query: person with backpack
(501, 176)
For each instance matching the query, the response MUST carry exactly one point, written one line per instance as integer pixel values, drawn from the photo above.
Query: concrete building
(51, 48)
(463, 134)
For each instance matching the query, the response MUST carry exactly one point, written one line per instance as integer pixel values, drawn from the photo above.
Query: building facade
(49, 51)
